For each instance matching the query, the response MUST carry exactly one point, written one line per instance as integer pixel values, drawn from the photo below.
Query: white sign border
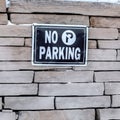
(55, 65)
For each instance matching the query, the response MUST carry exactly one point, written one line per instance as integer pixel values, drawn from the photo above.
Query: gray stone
(82, 102)
(116, 101)
(109, 114)
(29, 103)
(112, 88)
(80, 89)
(107, 76)
(18, 89)
(7, 116)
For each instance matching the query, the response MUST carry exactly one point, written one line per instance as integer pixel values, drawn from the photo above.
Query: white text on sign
(59, 53)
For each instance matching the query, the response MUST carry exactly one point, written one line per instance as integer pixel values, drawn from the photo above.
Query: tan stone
(58, 115)
(100, 66)
(28, 42)
(15, 53)
(49, 19)
(105, 22)
(84, 8)
(2, 6)
(103, 33)
(29, 103)
(80, 89)
(64, 76)
(12, 41)
(15, 31)
(92, 44)
(16, 77)
(99, 54)
(18, 89)
(109, 44)
(25, 31)
(107, 76)
(91, 66)
(82, 102)
(3, 19)
(28, 66)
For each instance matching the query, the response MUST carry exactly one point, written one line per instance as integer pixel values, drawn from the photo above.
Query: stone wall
(59, 93)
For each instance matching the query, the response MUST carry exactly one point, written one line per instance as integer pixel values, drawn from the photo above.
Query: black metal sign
(59, 44)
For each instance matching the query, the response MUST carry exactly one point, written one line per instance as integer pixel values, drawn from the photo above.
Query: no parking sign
(59, 44)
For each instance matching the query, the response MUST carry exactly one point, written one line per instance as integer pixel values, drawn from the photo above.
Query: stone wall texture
(30, 92)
